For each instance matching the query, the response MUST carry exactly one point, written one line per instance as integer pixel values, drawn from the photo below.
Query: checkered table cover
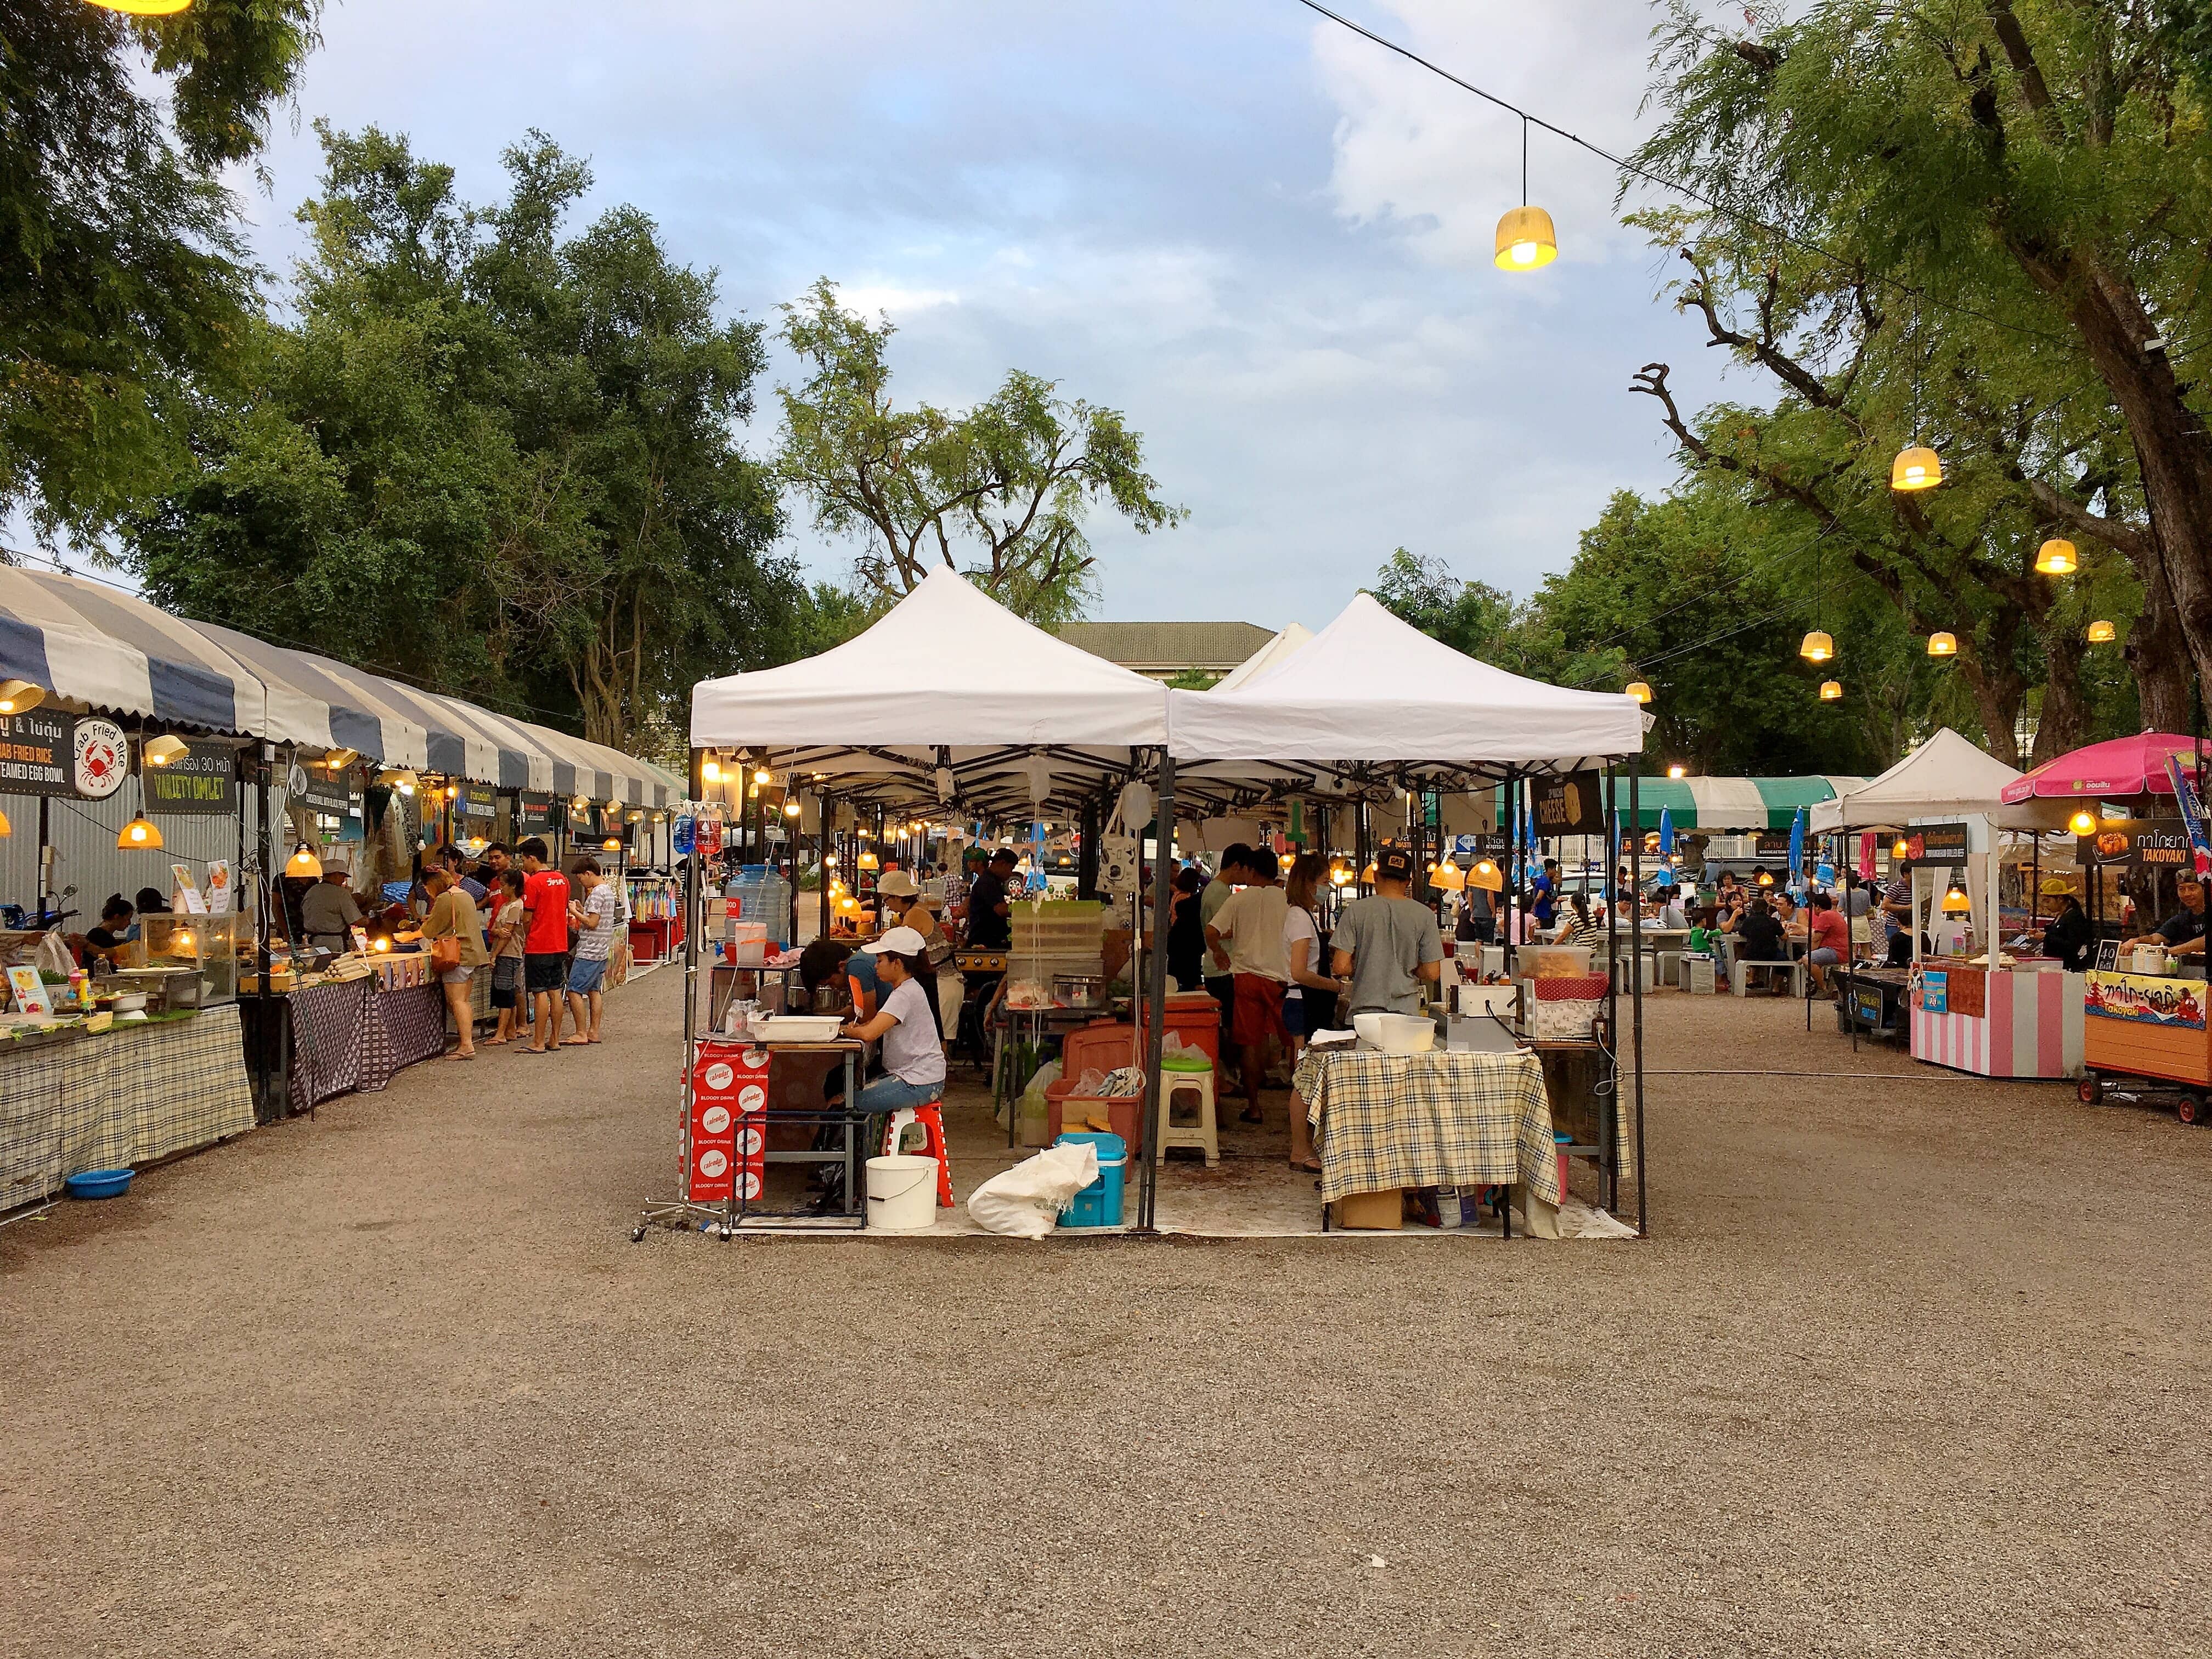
(122, 1099)
(349, 1035)
(1383, 1120)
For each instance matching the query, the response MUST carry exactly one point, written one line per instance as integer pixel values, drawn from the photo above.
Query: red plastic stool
(930, 1114)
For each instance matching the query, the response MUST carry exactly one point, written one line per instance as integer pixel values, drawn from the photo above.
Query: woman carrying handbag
(454, 932)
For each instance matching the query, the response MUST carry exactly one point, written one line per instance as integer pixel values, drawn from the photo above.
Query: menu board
(1571, 805)
(46, 753)
(533, 813)
(479, 803)
(201, 780)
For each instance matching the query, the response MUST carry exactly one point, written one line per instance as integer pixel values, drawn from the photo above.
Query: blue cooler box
(1098, 1205)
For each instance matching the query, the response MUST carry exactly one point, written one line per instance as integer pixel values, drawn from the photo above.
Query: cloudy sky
(1264, 239)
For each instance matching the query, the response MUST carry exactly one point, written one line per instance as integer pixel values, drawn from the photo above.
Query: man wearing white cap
(913, 1060)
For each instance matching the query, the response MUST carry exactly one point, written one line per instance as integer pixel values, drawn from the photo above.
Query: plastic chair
(1177, 1076)
(929, 1116)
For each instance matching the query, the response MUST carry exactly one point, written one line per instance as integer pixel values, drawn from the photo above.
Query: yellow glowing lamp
(145, 8)
(1448, 878)
(710, 770)
(1956, 902)
(1766, 878)
(764, 776)
(182, 944)
(1817, 647)
(1367, 874)
(401, 780)
(611, 844)
(2102, 633)
(1526, 240)
(1337, 875)
(867, 860)
(338, 759)
(1915, 468)
(1831, 690)
(140, 835)
(2056, 558)
(1638, 690)
(1678, 770)
(848, 903)
(1943, 645)
(303, 862)
(160, 751)
(791, 809)
(1487, 876)
(6, 828)
(20, 696)
(1899, 847)
(379, 943)
(2083, 823)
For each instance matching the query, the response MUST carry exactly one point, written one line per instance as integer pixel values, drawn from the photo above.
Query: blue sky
(1265, 241)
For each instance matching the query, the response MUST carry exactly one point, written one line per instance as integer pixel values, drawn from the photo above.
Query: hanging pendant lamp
(2102, 633)
(1638, 690)
(2056, 558)
(1817, 647)
(1944, 644)
(2083, 823)
(1916, 467)
(1526, 240)
(141, 835)
(1956, 902)
(20, 696)
(710, 770)
(161, 751)
(1831, 691)
(145, 8)
(303, 862)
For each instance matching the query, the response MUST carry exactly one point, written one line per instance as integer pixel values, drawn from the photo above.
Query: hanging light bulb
(139, 835)
(1899, 847)
(145, 8)
(1817, 647)
(1831, 690)
(2102, 633)
(397, 778)
(452, 792)
(1526, 240)
(611, 844)
(1678, 770)
(1943, 645)
(1638, 690)
(160, 751)
(868, 860)
(2083, 823)
(1956, 902)
(710, 770)
(1916, 467)
(303, 862)
(20, 696)
(338, 759)
(2056, 558)
(791, 809)
(1766, 878)
(753, 793)
(763, 775)
(582, 804)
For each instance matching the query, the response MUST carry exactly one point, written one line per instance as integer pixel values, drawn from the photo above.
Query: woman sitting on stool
(905, 1025)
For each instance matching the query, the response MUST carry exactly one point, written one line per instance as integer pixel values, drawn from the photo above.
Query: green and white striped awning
(1724, 805)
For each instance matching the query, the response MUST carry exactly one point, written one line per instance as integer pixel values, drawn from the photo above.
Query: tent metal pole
(1636, 986)
(1156, 996)
(1609, 1157)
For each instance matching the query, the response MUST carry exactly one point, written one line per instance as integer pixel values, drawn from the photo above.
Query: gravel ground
(1908, 1366)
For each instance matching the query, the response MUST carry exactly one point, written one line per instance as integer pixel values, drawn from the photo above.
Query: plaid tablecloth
(1383, 1120)
(126, 1098)
(351, 1035)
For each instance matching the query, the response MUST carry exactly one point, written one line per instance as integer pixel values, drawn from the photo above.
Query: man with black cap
(1387, 943)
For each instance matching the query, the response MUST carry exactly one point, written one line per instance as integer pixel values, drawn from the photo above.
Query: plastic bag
(1025, 1201)
(52, 957)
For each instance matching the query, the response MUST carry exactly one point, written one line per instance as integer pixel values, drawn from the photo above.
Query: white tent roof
(1371, 687)
(948, 666)
(1266, 658)
(1946, 777)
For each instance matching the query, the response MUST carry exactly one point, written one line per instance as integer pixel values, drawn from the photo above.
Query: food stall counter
(2023, 1020)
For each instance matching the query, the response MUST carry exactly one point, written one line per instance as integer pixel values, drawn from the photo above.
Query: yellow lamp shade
(6, 828)
(1526, 240)
(1956, 902)
(1448, 878)
(2056, 558)
(791, 809)
(338, 759)
(160, 751)
(1817, 647)
(1678, 770)
(1943, 645)
(848, 903)
(2083, 823)
(1367, 874)
(140, 835)
(2102, 633)
(401, 780)
(1486, 876)
(20, 696)
(1899, 847)
(1915, 468)
(1765, 878)
(1638, 690)
(303, 862)
(611, 844)
(1831, 690)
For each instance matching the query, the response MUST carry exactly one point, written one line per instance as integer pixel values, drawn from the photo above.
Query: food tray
(798, 1028)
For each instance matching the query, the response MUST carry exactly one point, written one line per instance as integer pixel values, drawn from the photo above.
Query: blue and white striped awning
(89, 643)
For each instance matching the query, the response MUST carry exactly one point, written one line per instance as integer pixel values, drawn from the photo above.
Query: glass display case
(211, 946)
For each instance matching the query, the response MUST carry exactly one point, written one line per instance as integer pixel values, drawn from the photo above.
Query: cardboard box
(1383, 1211)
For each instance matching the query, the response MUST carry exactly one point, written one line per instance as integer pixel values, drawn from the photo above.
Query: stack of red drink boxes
(728, 1138)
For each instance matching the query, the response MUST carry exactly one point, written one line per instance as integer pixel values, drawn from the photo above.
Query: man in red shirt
(545, 944)
(1829, 933)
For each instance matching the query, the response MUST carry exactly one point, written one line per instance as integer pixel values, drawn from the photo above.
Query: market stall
(2135, 806)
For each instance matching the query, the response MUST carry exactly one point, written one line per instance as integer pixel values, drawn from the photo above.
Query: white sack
(1025, 1201)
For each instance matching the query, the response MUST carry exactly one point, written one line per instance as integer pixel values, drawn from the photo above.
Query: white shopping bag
(1025, 1201)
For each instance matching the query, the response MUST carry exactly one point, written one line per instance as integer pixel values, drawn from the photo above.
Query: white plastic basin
(1396, 1034)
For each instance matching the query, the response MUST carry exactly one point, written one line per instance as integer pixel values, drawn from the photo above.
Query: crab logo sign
(102, 758)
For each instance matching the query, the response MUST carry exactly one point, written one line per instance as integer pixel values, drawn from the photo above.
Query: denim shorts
(889, 1094)
(585, 974)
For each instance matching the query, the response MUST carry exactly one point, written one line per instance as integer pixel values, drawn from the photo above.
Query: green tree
(1009, 484)
(494, 460)
(1470, 617)
(122, 280)
(2036, 170)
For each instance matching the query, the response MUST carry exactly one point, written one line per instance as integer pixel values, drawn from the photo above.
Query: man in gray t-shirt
(1387, 943)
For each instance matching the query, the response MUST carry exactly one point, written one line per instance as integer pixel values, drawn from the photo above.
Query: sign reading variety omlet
(1571, 805)
(200, 780)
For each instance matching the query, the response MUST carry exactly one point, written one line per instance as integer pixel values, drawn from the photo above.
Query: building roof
(1168, 647)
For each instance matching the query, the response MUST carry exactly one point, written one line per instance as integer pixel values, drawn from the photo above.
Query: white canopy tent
(1265, 658)
(1947, 777)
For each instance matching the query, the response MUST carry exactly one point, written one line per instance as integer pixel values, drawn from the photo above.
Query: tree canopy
(123, 281)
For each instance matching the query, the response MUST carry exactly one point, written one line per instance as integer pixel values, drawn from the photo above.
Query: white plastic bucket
(901, 1193)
